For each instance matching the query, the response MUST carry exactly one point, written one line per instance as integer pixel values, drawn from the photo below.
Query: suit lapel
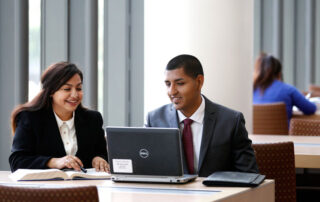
(51, 128)
(80, 129)
(173, 118)
(208, 129)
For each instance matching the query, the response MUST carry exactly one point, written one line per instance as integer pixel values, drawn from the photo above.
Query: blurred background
(123, 46)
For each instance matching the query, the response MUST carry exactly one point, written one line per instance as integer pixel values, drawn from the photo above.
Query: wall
(219, 33)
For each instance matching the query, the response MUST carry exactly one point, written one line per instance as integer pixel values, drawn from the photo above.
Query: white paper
(122, 165)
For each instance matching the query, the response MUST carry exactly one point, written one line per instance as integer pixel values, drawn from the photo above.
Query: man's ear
(200, 80)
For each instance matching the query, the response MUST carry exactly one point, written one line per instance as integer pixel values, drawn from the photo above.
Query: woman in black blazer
(54, 130)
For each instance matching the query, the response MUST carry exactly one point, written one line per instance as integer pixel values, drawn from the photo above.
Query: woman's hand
(100, 164)
(65, 162)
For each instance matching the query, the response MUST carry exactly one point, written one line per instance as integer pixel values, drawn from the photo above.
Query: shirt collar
(197, 116)
(70, 122)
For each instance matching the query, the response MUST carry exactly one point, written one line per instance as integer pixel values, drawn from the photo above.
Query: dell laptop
(146, 155)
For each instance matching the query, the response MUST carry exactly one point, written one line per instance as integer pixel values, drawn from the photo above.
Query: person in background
(268, 87)
(214, 137)
(54, 130)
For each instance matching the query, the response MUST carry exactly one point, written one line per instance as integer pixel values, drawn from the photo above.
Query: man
(214, 137)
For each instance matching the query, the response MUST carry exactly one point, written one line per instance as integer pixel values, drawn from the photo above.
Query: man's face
(183, 90)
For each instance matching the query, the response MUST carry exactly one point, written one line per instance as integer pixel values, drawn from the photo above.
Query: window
(34, 47)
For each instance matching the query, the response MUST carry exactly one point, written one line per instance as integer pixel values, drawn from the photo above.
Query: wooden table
(194, 191)
(306, 148)
(300, 115)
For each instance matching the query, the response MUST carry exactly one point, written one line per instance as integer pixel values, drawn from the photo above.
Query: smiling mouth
(72, 102)
(176, 100)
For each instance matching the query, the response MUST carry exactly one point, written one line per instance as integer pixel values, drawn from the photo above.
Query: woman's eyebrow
(67, 84)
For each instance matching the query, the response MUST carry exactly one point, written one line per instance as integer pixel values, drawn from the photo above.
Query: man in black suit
(219, 139)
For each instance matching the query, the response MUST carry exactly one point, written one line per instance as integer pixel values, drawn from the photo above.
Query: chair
(306, 127)
(270, 119)
(314, 90)
(23, 194)
(276, 161)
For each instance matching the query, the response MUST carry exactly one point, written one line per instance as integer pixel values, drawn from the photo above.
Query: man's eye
(79, 89)
(180, 83)
(168, 84)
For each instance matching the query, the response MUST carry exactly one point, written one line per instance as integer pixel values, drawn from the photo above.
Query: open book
(56, 174)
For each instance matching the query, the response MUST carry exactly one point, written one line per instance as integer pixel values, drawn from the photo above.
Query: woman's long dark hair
(52, 79)
(267, 69)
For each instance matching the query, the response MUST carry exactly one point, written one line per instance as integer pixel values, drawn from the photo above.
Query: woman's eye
(66, 89)
(79, 89)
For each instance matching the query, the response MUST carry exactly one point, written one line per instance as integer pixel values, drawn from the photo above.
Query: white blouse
(68, 135)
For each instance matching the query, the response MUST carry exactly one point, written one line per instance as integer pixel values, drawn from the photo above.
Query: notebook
(146, 155)
(234, 179)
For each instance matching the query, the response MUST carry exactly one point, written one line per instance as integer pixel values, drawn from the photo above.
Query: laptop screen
(144, 151)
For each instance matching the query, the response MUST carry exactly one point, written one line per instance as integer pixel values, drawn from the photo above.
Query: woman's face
(66, 100)
(255, 72)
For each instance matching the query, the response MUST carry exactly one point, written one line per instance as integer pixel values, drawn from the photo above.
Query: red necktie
(188, 144)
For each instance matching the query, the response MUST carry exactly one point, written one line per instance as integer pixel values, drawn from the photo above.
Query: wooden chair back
(306, 127)
(23, 194)
(314, 90)
(270, 119)
(276, 161)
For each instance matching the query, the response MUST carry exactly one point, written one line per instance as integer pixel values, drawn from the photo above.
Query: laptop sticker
(122, 165)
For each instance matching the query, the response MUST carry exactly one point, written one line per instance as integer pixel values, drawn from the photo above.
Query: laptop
(146, 155)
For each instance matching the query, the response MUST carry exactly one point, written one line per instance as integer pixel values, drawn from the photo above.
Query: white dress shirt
(196, 128)
(68, 135)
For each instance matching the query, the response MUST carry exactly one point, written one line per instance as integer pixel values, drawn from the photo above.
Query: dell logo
(144, 153)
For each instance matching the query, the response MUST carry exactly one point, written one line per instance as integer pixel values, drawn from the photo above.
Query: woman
(268, 87)
(54, 130)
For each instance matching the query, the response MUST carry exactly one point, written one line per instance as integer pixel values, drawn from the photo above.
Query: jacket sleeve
(23, 149)
(243, 153)
(302, 103)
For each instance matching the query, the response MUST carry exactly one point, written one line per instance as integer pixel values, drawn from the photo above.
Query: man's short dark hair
(191, 65)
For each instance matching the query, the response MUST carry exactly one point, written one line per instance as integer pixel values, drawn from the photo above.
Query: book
(56, 174)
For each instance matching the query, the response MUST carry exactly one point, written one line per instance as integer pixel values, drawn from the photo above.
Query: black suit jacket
(37, 138)
(225, 144)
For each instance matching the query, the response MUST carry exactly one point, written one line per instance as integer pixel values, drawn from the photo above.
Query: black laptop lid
(144, 151)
